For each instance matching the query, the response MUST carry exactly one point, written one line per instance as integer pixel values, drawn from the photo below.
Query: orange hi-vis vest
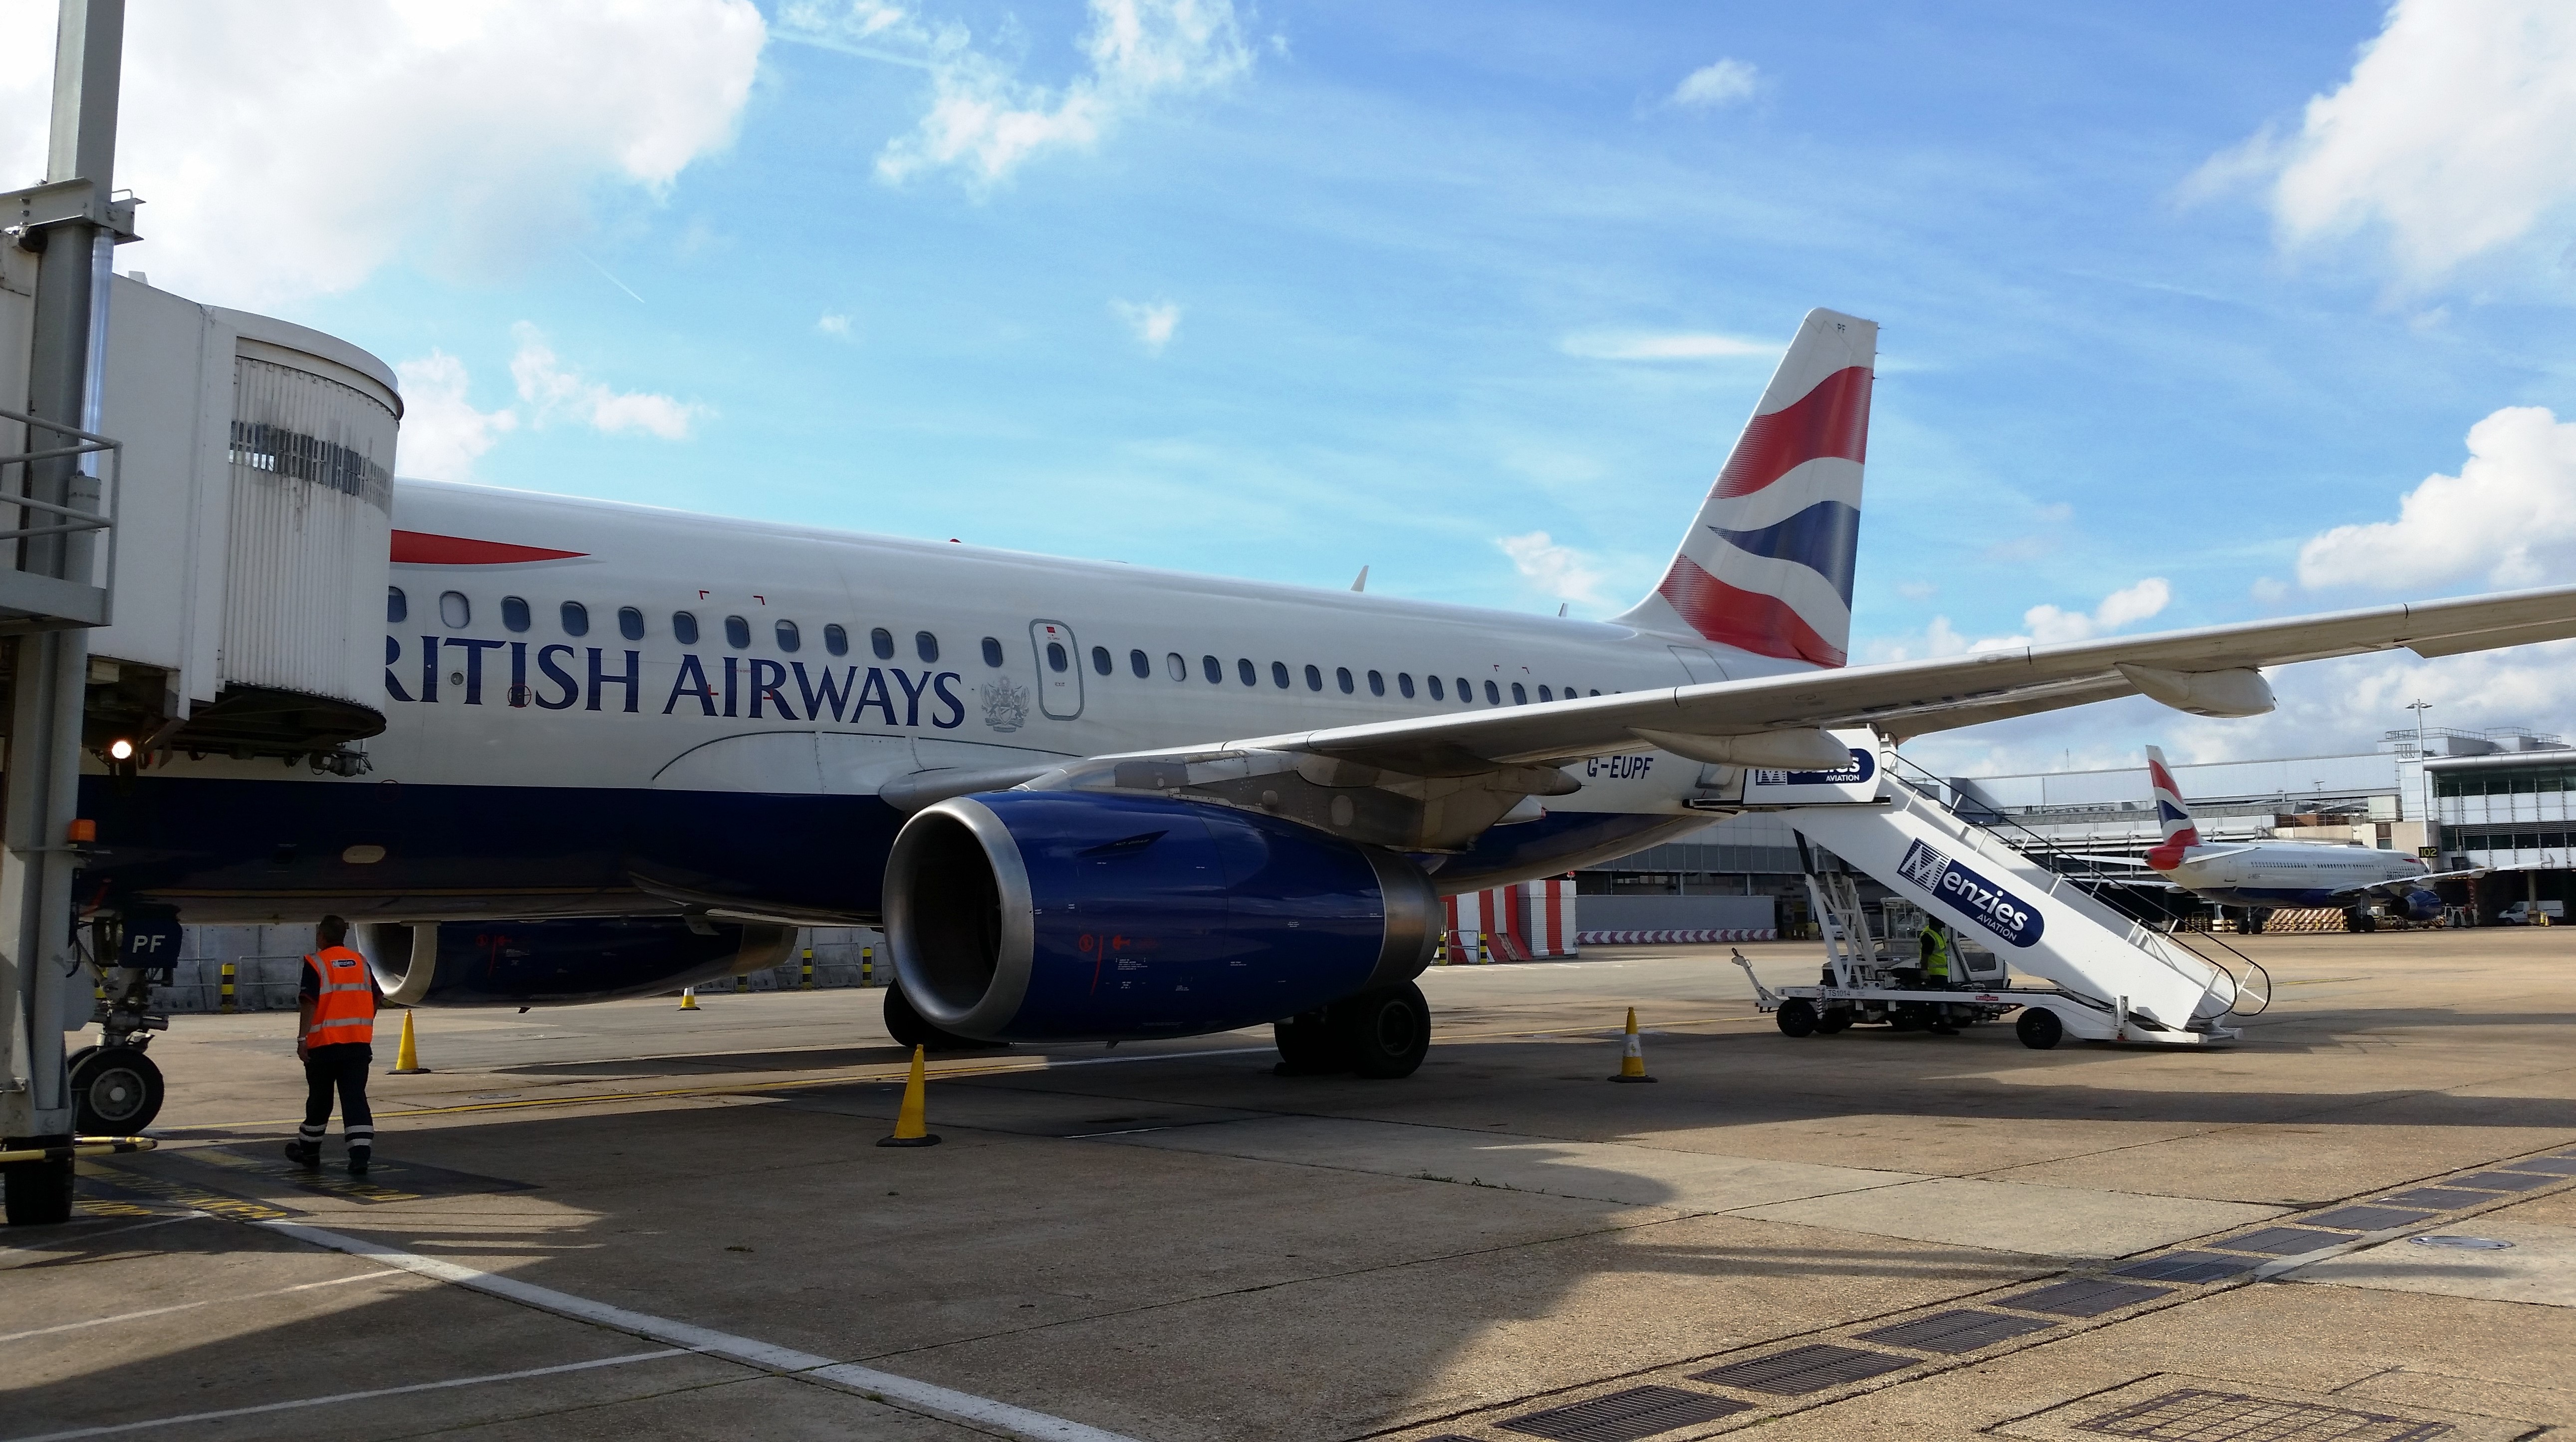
(346, 1009)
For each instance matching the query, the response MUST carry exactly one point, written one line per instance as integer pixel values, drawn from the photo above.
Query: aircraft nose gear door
(1059, 669)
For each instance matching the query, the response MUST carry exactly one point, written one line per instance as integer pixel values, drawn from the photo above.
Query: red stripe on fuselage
(1830, 420)
(421, 548)
(1746, 620)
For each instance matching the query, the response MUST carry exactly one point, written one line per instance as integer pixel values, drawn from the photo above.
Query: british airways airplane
(626, 749)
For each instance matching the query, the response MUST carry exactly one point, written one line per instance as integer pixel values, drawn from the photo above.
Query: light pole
(2423, 777)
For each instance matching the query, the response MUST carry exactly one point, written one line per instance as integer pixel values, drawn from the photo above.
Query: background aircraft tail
(2172, 815)
(1766, 566)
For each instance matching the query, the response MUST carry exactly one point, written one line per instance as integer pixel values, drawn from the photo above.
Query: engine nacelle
(1039, 915)
(2420, 905)
(552, 963)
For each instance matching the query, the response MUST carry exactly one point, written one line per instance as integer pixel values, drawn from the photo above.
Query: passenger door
(1059, 669)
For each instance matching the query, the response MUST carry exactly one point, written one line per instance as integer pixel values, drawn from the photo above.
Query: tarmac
(629, 1222)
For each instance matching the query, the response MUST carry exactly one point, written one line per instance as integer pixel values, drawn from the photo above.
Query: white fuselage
(2290, 873)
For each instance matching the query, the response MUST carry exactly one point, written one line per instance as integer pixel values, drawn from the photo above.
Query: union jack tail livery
(1767, 565)
(2171, 815)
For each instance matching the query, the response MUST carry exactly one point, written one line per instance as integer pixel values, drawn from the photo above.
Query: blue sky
(1286, 290)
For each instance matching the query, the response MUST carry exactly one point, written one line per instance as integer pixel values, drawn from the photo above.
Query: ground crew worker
(1936, 971)
(336, 1019)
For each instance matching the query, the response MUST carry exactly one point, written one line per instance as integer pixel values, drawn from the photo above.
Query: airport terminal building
(2498, 799)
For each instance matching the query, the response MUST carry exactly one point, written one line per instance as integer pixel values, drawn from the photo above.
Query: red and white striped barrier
(1674, 938)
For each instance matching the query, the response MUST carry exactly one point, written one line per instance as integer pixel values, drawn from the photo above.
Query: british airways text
(558, 678)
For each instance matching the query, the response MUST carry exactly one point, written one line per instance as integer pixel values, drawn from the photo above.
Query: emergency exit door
(1059, 669)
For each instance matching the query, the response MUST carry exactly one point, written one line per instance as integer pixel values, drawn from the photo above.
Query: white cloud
(287, 148)
(552, 391)
(1151, 322)
(1675, 345)
(1917, 590)
(1562, 572)
(442, 434)
(2042, 625)
(1723, 83)
(2268, 591)
(2451, 133)
(835, 326)
(985, 120)
(2510, 514)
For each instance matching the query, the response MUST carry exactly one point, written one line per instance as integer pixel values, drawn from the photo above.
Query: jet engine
(1037, 915)
(553, 963)
(2420, 905)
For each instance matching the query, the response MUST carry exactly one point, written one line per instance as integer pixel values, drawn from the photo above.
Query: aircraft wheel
(1797, 1017)
(116, 1091)
(2039, 1028)
(1833, 1021)
(910, 1028)
(1384, 1034)
(1307, 1045)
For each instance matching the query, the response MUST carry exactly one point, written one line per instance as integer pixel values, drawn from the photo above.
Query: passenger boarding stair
(2110, 977)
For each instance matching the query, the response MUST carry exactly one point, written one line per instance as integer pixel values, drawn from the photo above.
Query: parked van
(2522, 912)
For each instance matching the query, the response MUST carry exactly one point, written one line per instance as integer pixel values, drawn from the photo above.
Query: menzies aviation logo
(1863, 766)
(1994, 908)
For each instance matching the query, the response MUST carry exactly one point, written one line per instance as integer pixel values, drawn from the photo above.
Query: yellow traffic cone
(909, 1130)
(406, 1056)
(1632, 1055)
(689, 999)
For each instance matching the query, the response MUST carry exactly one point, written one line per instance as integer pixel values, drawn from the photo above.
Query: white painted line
(355, 1396)
(913, 1395)
(184, 1306)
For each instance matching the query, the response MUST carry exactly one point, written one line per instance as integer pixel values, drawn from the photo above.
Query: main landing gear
(1380, 1034)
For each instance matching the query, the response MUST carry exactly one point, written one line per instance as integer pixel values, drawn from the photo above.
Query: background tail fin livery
(1766, 566)
(2172, 816)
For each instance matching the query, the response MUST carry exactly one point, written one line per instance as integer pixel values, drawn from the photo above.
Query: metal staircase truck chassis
(2111, 978)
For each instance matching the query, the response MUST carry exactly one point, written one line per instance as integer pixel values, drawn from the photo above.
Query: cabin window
(1178, 665)
(992, 651)
(737, 632)
(1100, 659)
(881, 641)
(1493, 694)
(1377, 684)
(788, 637)
(576, 619)
(630, 623)
(1595, 691)
(1243, 668)
(1545, 694)
(1404, 684)
(1342, 678)
(684, 628)
(836, 640)
(1435, 688)
(1279, 674)
(396, 606)
(1314, 679)
(1466, 691)
(1520, 694)
(514, 613)
(1056, 659)
(926, 646)
(1141, 664)
(1213, 669)
(454, 610)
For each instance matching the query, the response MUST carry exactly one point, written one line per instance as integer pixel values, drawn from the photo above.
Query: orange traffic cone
(1632, 1055)
(407, 1057)
(909, 1127)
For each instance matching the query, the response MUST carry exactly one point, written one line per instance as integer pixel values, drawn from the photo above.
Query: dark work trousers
(343, 1066)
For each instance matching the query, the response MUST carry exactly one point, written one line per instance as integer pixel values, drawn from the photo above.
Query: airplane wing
(2428, 876)
(2108, 860)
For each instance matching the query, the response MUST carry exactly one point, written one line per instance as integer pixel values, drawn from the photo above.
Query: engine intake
(1037, 915)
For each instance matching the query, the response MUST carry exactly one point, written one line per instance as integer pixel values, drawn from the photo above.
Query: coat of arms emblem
(1006, 706)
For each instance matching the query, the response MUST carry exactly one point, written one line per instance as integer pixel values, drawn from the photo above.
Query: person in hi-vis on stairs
(336, 1032)
(1936, 970)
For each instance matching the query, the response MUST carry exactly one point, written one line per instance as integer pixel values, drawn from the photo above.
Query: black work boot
(303, 1153)
(358, 1160)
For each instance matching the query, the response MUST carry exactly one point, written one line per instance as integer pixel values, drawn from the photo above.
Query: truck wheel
(2039, 1028)
(116, 1091)
(1384, 1034)
(910, 1028)
(1797, 1017)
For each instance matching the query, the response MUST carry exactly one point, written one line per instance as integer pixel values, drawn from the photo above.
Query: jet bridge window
(684, 628)
(788, 636)
(1279, 674)
(1100, 660)
(1377, 684)
(1493, 694)
(397, 606)
(992, 650)
(454, 610)
(737, 633)
(926, 646)
(1404, 684)
(514, 613)
(630, 623)
(1141, 664)
(881, 641)
(576, 619)
(836, 639)
(1243, 669)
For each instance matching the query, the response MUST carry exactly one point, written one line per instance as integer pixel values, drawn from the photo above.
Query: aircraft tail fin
(1766, 566)
(2173, 814)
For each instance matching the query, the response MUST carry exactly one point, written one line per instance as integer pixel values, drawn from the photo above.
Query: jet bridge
(2070, 963)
